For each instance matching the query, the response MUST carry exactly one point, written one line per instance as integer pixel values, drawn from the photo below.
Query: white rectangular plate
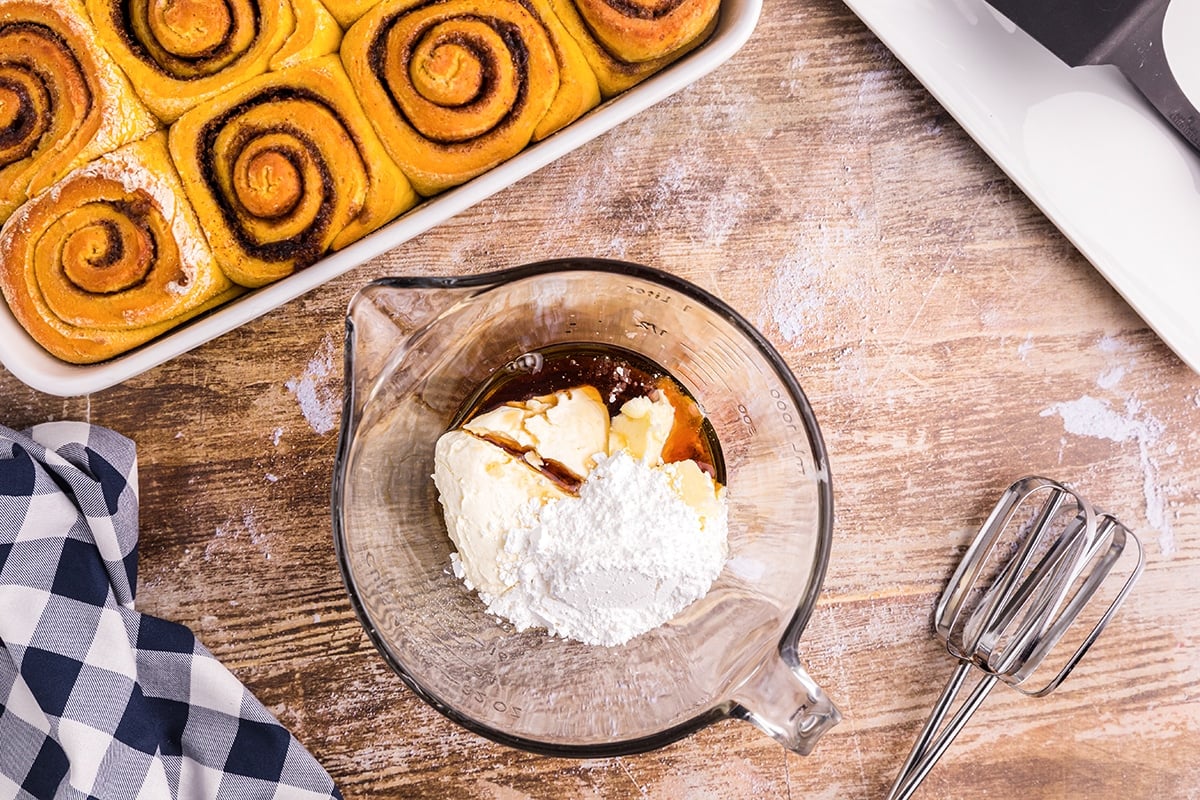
(1082, 143)
(37, 368)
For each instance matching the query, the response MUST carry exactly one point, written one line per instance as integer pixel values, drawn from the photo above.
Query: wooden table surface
(948, 337)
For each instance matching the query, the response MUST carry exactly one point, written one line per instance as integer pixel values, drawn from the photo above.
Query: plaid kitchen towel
(97, 700)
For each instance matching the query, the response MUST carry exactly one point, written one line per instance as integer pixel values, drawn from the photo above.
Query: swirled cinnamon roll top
(180, 53)
(109, 257)
(284, 168)
(62, 100)
(458, 86)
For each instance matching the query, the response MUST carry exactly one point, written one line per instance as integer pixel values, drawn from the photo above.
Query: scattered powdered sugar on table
(231, 529)
(681, 203)
(791, 80)
(1110, 377)
(681, 190)
(621, 559)
(792, 299)
(314, 392)
(1091, 416)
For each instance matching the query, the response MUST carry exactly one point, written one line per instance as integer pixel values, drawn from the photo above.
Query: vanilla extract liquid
(619, 375)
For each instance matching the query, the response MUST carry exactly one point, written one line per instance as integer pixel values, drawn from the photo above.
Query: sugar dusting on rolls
(109, 257)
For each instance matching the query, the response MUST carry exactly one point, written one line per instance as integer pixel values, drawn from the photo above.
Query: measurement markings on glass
(698, 363)
(652, 327)
(746, 419)
(787, 414)
(729, 354)
(495, 704)
(655, 294)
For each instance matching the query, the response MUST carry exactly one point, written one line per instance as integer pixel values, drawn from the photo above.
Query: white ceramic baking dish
(26, 359)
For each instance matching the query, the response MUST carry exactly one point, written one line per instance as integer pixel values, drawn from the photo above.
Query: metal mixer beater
(1033, 570)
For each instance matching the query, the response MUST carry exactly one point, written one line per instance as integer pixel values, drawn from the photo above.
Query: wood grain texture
(948, 337)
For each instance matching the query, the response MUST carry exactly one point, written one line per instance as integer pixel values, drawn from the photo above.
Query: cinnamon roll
(109, 257)
(179, 53)
(626, 41)
(62, 99)
(458, 86)
(284, 168)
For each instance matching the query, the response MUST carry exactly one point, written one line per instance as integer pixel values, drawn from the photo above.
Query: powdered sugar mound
(621, 559)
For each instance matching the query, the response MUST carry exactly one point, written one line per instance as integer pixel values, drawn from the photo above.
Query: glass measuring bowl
(416, 349)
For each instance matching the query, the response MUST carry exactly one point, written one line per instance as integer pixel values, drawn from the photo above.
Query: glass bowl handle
(783, 701)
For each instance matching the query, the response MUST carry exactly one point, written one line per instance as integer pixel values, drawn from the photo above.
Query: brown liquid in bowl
(619, 375)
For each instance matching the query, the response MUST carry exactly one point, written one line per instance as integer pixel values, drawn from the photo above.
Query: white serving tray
(1082, 143)
(25, 359)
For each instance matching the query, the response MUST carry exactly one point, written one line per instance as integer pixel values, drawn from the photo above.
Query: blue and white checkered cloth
(97, 700)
